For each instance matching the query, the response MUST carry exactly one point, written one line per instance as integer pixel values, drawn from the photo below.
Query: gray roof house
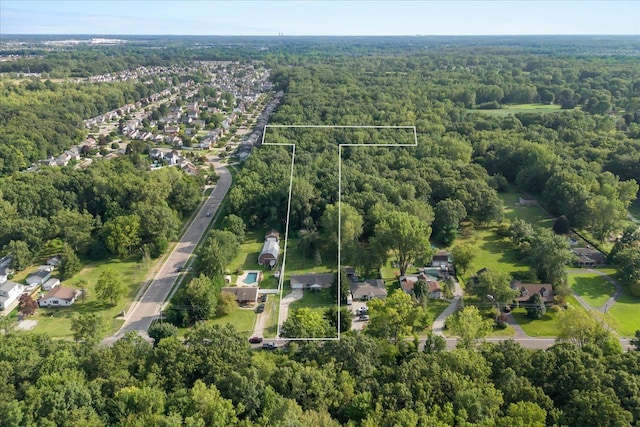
(270, 250)
(9, 292)
(39, 277)
(312, 281)
(369, 289)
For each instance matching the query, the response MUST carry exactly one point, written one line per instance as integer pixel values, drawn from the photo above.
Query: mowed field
(519, 108)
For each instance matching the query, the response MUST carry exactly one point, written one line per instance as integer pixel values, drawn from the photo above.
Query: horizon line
(329, 35)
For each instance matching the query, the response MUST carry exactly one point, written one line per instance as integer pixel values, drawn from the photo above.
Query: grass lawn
(435, 307)
(316, 301)
(297, 264)
(519, 108)
(594, 289)
(56, 322)
(623, 315)
(242, 318)
(493, 252)
(547, 326)
(534, 215)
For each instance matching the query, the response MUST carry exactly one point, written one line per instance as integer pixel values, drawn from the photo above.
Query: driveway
(283, 313)
(147, 307)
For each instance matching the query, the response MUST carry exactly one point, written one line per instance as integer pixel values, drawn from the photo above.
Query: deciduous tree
(469, 325)
(463, 256)
(27, 305)
(110, 287)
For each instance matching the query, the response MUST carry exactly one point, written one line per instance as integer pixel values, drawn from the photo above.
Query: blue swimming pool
(251, 278)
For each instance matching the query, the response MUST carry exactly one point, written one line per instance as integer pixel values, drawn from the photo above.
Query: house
(369, 289)
(522, 201)
(50, 284)
(9, 293)
(312, 281)
(586, 255)
(243, 294)
(60, 296)
(408, 282)
(5, 268)
(270, 250)
(39, 277)
(441, 259)
(54, 260)
(173, 157)
(529, 289)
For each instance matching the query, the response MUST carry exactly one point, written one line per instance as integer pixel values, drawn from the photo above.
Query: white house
(9, 292)
(50, 284)
(60, 296)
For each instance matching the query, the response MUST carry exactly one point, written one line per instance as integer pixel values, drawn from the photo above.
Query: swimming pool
(252, 278)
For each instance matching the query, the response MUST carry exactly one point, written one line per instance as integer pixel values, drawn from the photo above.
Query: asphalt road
(143, 311)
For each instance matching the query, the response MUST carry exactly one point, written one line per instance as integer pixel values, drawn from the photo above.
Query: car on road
(270, 346)
(208, 213)
(255, 340)
(260, 308)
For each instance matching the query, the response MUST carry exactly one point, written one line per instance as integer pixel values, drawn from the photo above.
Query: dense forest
(216, 380)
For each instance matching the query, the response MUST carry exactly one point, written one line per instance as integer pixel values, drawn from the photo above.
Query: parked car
(263, 298)
(270, 346)
(255, 340)
(260, 308)
(363, 318)
(362, 310)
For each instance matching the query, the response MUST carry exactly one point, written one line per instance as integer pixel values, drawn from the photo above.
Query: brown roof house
(369, 289)
(408, 282)
(589, 257)
(527, 290)
(60, 296)
(243, 294)
(270, 250)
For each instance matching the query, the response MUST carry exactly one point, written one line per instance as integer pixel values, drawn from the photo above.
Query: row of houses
(56, 296)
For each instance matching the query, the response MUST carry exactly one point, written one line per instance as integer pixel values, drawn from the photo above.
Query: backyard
(56, 322)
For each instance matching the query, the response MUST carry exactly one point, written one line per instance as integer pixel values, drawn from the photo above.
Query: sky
(188, 17)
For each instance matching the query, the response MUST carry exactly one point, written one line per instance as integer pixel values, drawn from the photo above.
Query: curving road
(145, 309)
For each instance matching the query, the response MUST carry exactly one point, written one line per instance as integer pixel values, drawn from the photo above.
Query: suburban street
(143, 311)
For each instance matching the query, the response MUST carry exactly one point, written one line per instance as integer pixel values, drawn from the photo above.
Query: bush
(503, 229)
(160, 330)
(634, 289)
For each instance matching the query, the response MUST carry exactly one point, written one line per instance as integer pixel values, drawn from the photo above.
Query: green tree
(235, 225)
(210, 408)
(227, 304)
(581, 328)
(598, 408)
(87, 328)
(304, 323)
(463, 256)
(110, 287)
(216, 252)
(524, 414)
(405, 236)
(74, 228)
(628, 261)
(394, 318)
(70, 263)
(122, 235)
(605, 216)
(535, 306)
(351, 226)
(331, 316)
(202, 296)
(20, 254)
(561, 225)
(160, 330)
(345, 290)
(550, 253)
(469, 325)
(497, 284)
(448, 214)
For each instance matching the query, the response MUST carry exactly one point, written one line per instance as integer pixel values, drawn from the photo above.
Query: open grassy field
(534, 215)
(594, 289)
(547, 326)
(56, 322)
(623, 315)
(316, 301)
(519, 108)
(242, 318)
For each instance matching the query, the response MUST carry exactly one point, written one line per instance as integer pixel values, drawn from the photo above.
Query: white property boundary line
(286, 233)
